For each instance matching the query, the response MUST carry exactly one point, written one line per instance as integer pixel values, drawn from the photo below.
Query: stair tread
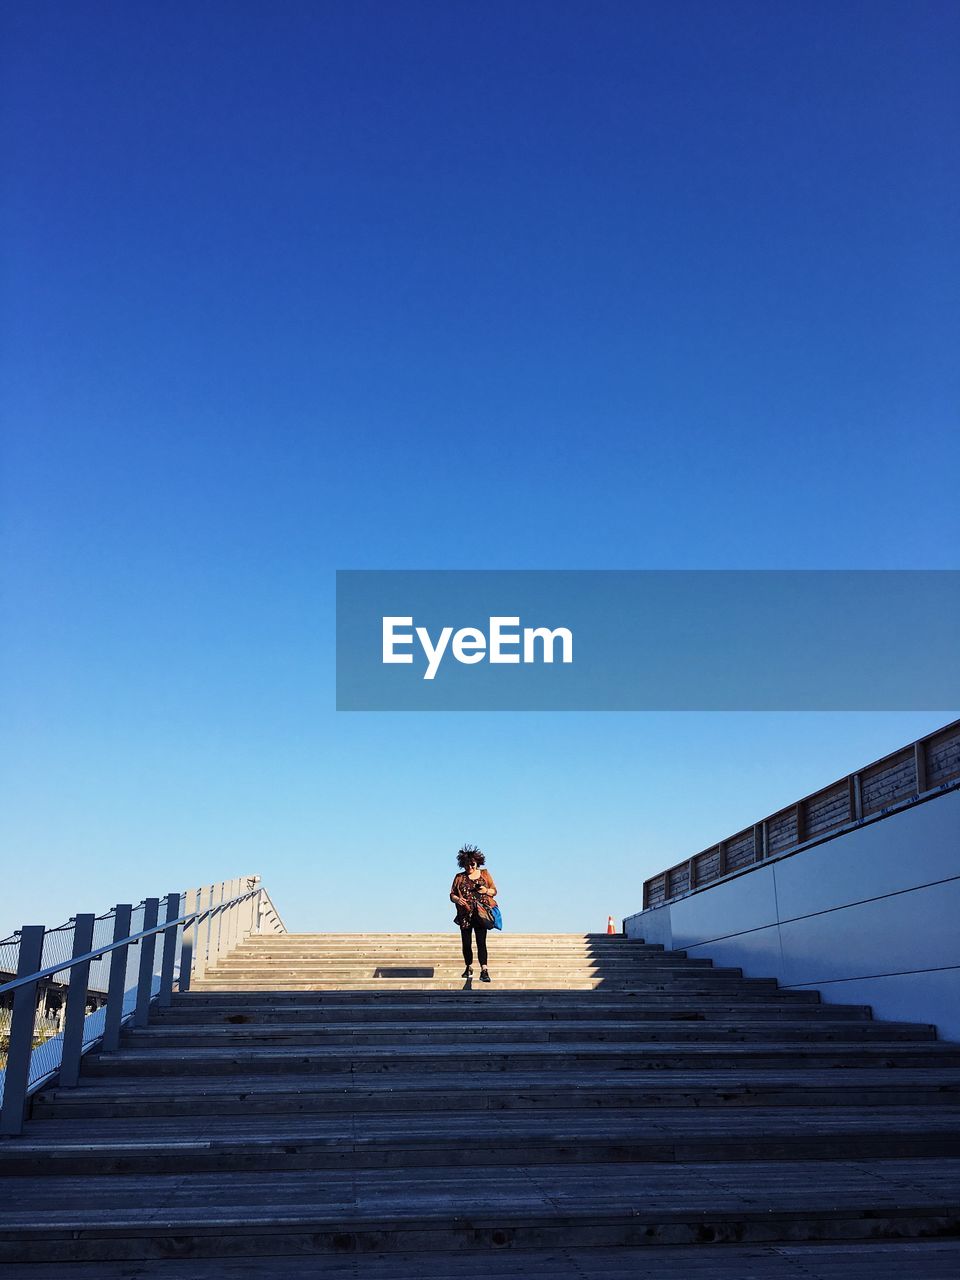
(870, 1260)
(678, 1192)
(850, 1078)
(481, 1023)
(349, 1127)
(160, 1053)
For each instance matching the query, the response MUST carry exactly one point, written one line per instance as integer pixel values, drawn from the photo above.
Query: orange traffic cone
(610, 928)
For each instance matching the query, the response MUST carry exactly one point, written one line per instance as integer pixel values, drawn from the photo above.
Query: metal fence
(916, 772)
(65, 990)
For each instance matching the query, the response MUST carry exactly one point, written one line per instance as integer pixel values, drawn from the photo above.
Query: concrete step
(451, 942)
(864, 1260)
(663, 1056)
(484, 1031)
(227, 982)
(451, 937)
(545, 963)
(370, 941)
(439, 1013)
(299, 1212)
(241, 1095)
(541, 964)
(371, 1141)
(653, 967)
(451, 955)
(461, 998)
(504, 974)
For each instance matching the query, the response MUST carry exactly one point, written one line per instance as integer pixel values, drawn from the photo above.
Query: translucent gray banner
(648, 640)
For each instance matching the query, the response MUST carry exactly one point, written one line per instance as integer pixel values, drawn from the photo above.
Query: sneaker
(484, 976)
(468, 972)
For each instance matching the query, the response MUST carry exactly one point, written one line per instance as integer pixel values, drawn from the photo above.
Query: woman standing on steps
(474, 893)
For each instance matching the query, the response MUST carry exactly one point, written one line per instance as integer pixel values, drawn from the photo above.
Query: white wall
(870, 917)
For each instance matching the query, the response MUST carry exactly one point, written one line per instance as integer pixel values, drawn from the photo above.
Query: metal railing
(77, 985)
(916, 772)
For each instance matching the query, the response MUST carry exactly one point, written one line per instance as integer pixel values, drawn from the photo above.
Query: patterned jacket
(480, 903)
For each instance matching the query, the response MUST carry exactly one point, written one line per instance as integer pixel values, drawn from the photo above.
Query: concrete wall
(870, 917)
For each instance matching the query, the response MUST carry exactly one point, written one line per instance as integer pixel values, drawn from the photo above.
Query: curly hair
(470, 853)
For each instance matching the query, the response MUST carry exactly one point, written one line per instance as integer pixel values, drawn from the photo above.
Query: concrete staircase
(317, 1098)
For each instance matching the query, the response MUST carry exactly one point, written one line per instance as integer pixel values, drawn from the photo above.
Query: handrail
(131, 939)
(197, 928)
(273, 910)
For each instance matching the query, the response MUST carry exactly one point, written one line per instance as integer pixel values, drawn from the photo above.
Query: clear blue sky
(291, 288)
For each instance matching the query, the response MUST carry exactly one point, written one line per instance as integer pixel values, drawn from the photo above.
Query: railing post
(244, 913)
(223, 942)
(230, 923)
(857, 797)
(213, 923)
(920, 766)
(204, 904)
(255, 883)
(117, 984)
(225, 916)
(169, 951)
(148, 948)
(239, 911)
(76, 1003)
(22, 1026)
(191, 903)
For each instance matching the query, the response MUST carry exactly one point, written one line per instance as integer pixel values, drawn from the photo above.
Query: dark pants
(480, 930)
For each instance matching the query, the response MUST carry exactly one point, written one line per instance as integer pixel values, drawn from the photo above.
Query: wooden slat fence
(923, 766)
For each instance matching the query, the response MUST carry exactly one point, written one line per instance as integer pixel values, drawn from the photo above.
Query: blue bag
(497, 922)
